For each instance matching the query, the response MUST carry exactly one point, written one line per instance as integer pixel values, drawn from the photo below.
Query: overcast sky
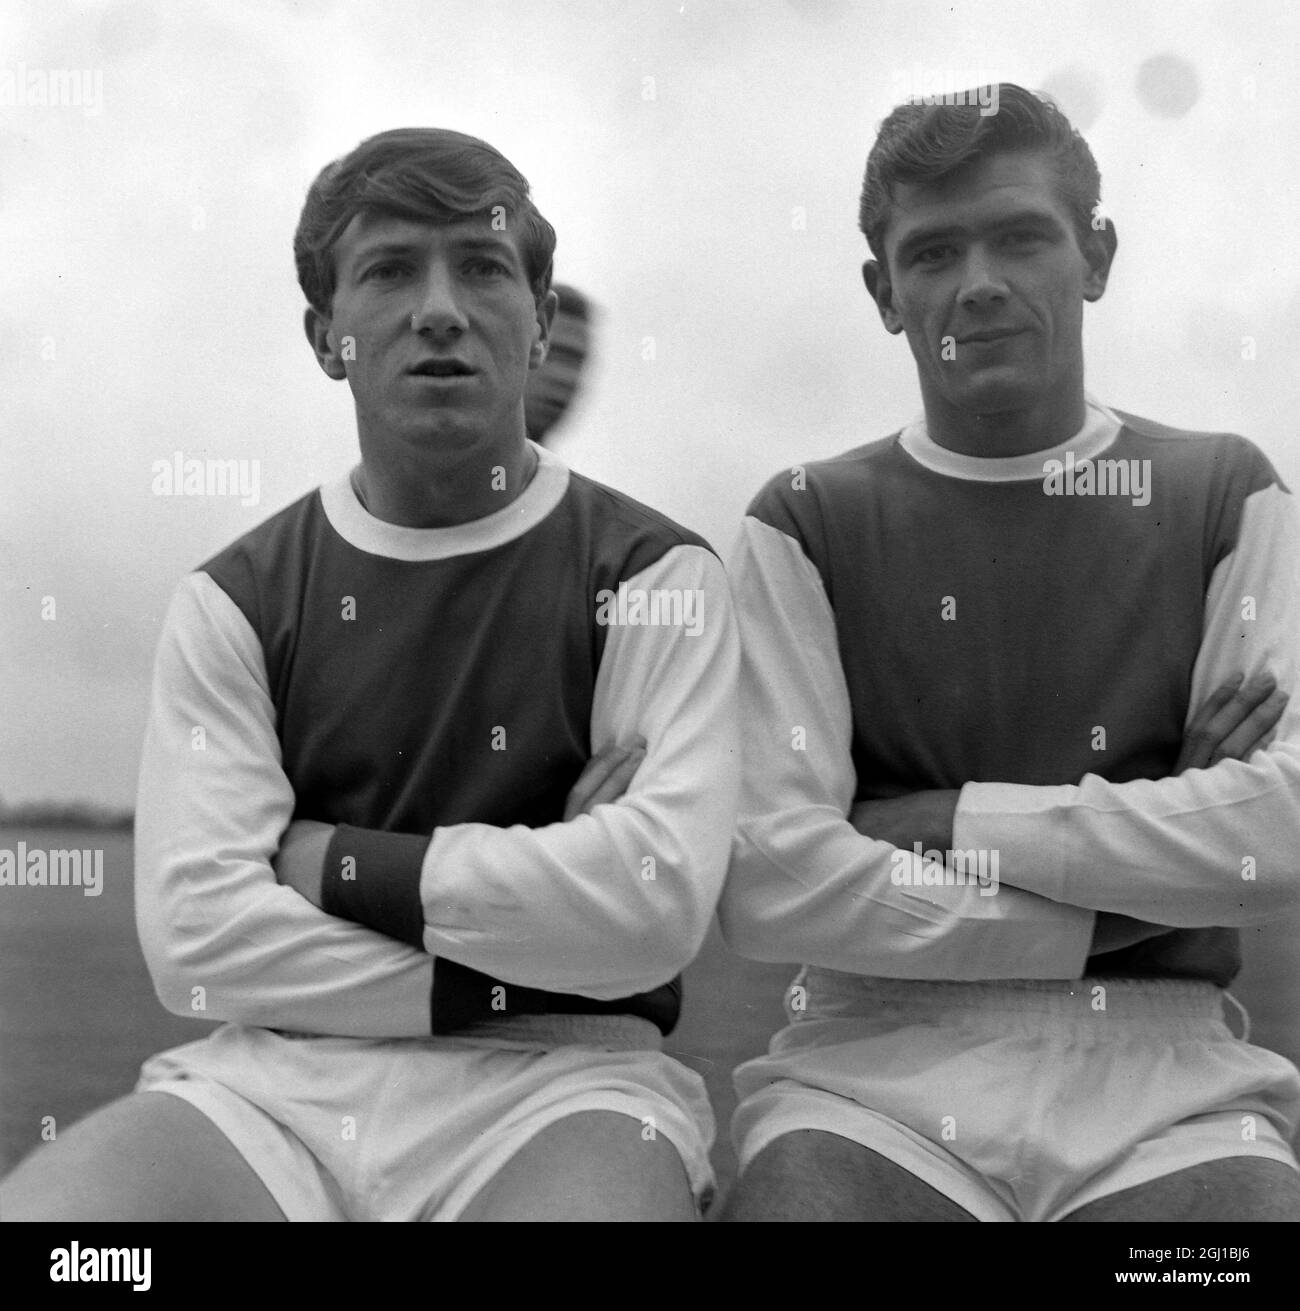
(700, 162)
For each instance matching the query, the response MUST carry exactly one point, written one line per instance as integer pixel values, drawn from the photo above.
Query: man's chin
(442, 431)
(992, 394)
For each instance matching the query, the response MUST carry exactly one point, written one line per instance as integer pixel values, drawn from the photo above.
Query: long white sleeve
(805, 885)
(1209, 847)
(617, 901)
(222, 939)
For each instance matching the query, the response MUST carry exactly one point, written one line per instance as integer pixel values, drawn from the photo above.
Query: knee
(795, 1177)
(592, 1165)
(814, 1175)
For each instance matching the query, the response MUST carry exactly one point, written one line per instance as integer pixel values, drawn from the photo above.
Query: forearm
(922, 822)
(607, 905)
(834, 898)
(265, 956)
(1210, 847)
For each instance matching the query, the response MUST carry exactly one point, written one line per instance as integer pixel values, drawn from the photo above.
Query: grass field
(78, 1014)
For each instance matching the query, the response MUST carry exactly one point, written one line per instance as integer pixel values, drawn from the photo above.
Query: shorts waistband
(829, 991)
(615, 1032)
(628, 1033)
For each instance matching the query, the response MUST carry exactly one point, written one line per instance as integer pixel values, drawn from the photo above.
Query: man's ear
(881, 290)
(323, 345)
(1099, 252)
(546, 309)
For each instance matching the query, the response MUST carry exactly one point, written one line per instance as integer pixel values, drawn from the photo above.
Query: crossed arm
(811, 872)
(300, 862)
(566, 907)
(1236, 721)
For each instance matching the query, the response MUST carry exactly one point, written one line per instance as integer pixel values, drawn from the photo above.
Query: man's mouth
(988, 335)
(448, 368)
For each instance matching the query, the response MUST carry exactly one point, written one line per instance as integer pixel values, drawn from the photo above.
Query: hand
(300, 862)
(1233, 722)
(604, 778)
(924, 817)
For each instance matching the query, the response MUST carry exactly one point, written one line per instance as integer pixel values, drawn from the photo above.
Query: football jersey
(1035, 631)
(436, 693)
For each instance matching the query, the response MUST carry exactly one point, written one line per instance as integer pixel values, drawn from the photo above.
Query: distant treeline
(64, 814)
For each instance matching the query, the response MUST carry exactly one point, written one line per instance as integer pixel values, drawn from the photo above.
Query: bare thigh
(814, 1175)
(150, 1156)
(1235, 1188)
(594, 1165)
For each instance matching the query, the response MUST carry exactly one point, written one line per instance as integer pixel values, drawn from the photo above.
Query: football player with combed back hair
(1039, 654)
(438, 783)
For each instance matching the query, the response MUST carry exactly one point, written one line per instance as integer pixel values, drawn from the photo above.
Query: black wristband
(373, 878)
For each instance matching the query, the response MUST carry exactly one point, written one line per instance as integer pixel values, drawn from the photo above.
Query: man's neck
(1007, 433)
(413, 494)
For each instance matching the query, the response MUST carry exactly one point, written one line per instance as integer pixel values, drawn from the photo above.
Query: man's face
(552, 387)
(435, 327)
(987, 279)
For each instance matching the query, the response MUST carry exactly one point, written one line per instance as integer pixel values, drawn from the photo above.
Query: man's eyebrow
(1028, 218)
(1018, 219)
(414, 247)
(392, 246)
(496, 245)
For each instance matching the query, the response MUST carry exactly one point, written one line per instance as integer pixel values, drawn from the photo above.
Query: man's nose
(982, 282)
(439, 309)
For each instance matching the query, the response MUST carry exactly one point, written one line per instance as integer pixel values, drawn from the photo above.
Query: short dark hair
(421, 173)
(925, 142)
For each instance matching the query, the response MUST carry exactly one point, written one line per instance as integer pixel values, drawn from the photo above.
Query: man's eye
(385, 272)
(486, 268)
(932, 255)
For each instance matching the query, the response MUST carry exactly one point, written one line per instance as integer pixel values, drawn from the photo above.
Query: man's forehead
(368, 231)
(985, 188)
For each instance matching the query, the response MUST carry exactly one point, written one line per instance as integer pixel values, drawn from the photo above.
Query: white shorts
(412, 1129)
(1019, 1100)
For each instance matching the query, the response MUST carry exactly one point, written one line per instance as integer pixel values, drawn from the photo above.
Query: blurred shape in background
(1168, 85)
(1079, 92)
(553, 385)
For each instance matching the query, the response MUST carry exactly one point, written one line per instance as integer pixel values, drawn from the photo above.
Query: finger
(1217, 700)
(617, 782)
(1250, 733)
(1206, 734)
(1246, 752)
(1248, 699)
(600, 767)
(1226, 708)
(610, 788)
(596, 773)
(1197, 746)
